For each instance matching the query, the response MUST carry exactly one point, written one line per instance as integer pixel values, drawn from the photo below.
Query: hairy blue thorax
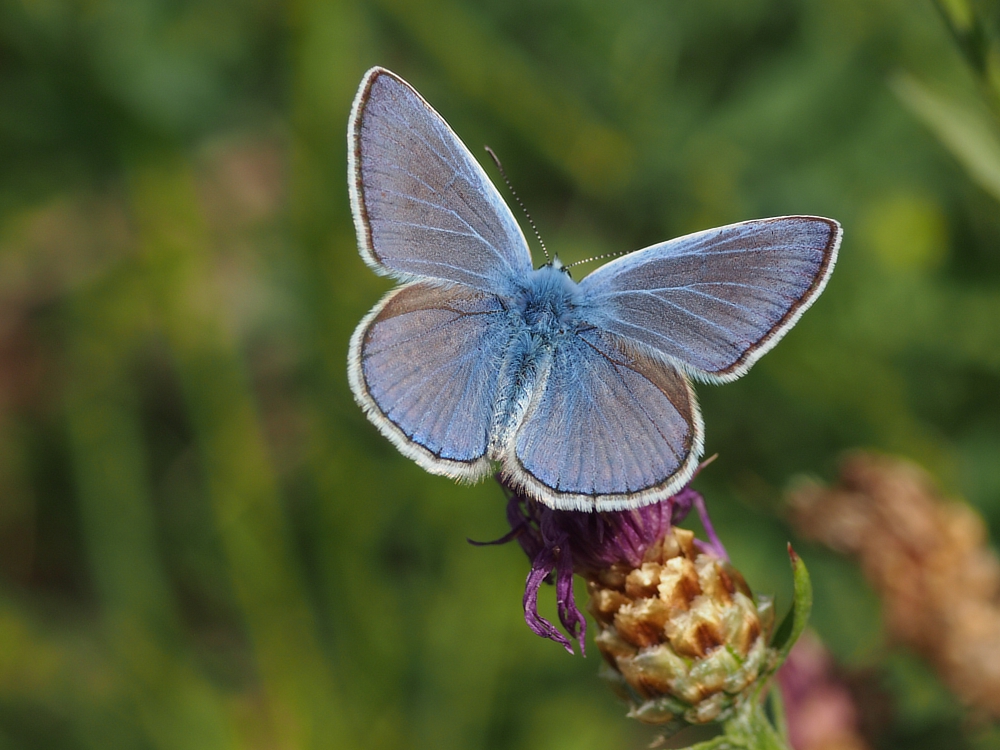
(549, 301)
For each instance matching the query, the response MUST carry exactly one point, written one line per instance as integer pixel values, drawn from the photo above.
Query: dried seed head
(683, 639)
(681, 633)
(928, 558)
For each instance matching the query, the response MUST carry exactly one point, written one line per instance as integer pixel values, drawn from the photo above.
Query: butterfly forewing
(715, 301)
(610, 428)
(422, 204)
(423, 364)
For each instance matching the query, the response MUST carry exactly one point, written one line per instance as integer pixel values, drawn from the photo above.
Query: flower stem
(721, 742)
(751, 729)
(777, 703)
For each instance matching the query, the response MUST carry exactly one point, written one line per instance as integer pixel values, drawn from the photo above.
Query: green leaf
(795, 621)
(969, 134)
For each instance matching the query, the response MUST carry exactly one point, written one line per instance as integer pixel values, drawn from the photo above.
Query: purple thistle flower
(684, 639)
(560, 543)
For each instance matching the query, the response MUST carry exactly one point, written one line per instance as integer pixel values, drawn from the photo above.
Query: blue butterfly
(580, 392)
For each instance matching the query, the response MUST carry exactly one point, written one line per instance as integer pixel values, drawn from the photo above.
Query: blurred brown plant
(928, 559)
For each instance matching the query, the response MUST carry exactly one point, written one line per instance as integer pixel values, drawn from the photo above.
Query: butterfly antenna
(596, 257)
(496, 160)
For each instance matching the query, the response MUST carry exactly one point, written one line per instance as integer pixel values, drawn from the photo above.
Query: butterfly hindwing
(423, 207)
(610, 427)
(714, 302)
(424, 365)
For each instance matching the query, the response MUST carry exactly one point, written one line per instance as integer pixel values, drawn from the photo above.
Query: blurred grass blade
(108, 457)
(958, 13)
(967, 29)
(487, 68)
(174, 702)
(68, 674)
(241, 480)
(968, 134)
(328, 63)
(976, 43)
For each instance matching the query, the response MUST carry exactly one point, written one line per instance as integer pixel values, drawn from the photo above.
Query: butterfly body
(549, 303)
(579, 391)
(545, 313)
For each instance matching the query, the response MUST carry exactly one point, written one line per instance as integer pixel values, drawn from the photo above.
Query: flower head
(682, 636)
(561, 543)
(681, 632)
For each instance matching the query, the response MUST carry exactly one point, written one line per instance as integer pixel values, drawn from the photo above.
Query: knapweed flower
(682, 636)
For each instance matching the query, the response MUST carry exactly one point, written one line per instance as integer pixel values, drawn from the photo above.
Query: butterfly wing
(424, 365)
(610, 427)
(714, 302)
(423, 207)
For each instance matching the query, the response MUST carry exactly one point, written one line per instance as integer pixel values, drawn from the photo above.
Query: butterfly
(580, 391)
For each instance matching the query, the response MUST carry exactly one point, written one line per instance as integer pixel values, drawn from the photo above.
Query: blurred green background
(204, 544)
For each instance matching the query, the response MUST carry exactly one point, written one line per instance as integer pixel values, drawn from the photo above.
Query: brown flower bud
(682, 634)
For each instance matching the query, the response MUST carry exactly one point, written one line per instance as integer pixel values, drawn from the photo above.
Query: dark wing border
(779, 329)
